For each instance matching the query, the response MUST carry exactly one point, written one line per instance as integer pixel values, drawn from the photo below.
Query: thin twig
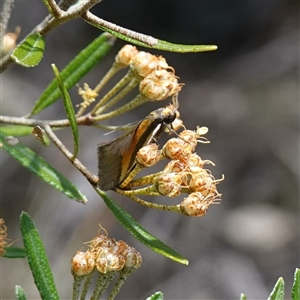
(173, 208)
(83, 120)
(93, 179)
(97, 22)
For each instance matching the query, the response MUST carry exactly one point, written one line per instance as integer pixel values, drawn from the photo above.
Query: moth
(116, 159)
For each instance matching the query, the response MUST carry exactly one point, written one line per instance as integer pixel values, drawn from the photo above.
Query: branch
(104, 25)
(93, 179)
(83, 120)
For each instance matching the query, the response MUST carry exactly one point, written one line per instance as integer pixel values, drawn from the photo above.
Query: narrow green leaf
(243, 297)
(16, 130)
(20, 293)
(30, 52)
(166, 46)
(41, 168)
(278, 290)
(161, 45)
(75, 70)
(37, 259)
(14, 252)
(156, 296)
(296, 285)
(139, 232)
(69, 108)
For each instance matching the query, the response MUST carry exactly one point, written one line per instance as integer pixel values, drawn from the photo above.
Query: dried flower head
(4, 241)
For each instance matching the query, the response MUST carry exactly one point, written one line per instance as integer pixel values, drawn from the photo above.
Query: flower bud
(159, 85)
(106, 261)
(169, 184)
(195, 204)
(177, 149)
(82, 263)
(144, 63)
(126, 55)
(148, 155)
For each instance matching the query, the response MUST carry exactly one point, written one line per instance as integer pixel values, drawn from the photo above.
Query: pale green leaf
(30, 52)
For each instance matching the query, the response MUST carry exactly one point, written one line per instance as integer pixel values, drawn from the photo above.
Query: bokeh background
(246, 93)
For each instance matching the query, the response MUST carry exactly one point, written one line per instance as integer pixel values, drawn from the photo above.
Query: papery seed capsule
(169, 184)
(126, 55)
(148, 155)
(82, 263)
(144, 63)
(194, 205)
(178, 149)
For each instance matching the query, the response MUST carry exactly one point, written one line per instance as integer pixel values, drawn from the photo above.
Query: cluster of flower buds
(106, 255)
(155, 78)
(185, 173)
(109, 257)
(158, 80)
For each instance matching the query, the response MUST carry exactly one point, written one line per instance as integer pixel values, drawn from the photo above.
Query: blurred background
(246, 93)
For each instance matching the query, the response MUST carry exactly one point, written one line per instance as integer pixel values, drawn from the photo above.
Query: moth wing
(110, 160)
